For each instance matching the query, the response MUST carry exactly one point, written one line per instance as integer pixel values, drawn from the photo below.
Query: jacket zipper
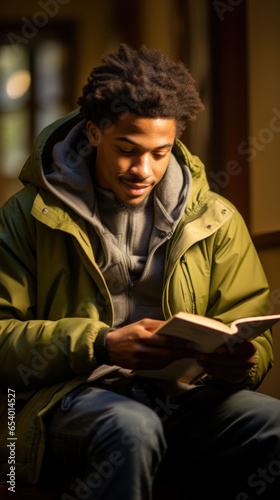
(190, 285)
(131, 285)
(198, 214)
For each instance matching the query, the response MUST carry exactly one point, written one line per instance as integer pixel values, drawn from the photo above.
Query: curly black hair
(144, 82)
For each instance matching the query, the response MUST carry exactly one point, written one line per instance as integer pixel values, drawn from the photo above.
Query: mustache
(135, 181)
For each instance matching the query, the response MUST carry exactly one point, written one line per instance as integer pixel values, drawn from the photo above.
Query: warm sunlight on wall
(262, 146)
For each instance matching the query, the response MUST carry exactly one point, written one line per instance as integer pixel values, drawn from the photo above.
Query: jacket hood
(200, 193)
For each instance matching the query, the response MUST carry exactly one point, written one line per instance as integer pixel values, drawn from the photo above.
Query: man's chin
(133, 206)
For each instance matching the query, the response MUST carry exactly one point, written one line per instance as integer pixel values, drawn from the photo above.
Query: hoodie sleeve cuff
(100, 347)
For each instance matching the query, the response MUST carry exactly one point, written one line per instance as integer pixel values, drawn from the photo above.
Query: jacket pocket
(67, 400)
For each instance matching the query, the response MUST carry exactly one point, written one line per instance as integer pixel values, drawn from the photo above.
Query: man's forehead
(135, 143)
(134, 128)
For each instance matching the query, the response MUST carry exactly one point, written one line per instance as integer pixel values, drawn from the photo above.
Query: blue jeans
(114, 443)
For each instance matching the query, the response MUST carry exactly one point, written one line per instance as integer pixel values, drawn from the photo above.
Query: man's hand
(136, 346)
(230, 367)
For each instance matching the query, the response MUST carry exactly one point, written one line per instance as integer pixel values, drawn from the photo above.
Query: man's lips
(134, 187)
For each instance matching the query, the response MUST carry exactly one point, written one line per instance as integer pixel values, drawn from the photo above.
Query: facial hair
(122, 206)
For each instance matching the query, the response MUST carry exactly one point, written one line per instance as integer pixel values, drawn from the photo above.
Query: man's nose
(142, 166)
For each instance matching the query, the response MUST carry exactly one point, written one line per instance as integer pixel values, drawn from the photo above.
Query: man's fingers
(231, 349)
(225, 362)
(136, 346)
(232, 368)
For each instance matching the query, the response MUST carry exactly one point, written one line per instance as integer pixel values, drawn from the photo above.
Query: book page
(249, 328)
(211, 323)
(205, 339)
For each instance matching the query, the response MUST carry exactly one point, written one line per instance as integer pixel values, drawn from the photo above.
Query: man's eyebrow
(125, 139)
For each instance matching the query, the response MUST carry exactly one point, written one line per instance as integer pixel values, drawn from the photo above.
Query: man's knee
(131, 427)
(142, 429)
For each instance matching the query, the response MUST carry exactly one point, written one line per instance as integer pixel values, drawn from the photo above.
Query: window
(35, 89)
(15, 82)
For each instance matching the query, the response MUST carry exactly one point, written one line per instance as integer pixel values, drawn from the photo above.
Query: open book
(207, 335)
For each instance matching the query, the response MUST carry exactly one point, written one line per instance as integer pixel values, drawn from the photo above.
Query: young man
(116, 230)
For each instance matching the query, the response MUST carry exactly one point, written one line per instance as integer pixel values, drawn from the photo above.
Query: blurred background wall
(232, 47)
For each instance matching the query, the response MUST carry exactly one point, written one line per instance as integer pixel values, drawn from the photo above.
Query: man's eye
(158, 156)
(126, 151)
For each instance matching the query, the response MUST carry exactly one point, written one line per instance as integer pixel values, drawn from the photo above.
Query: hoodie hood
(60, 163)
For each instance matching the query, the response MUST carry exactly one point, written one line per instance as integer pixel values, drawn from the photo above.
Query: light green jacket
(54, 300)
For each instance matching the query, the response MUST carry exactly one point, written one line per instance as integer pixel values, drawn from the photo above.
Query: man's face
(133, 155)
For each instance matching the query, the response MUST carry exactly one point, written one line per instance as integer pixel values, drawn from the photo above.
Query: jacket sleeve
(239, 288)
(34, 351)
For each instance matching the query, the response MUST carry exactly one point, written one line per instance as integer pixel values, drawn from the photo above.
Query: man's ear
(94, 134)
